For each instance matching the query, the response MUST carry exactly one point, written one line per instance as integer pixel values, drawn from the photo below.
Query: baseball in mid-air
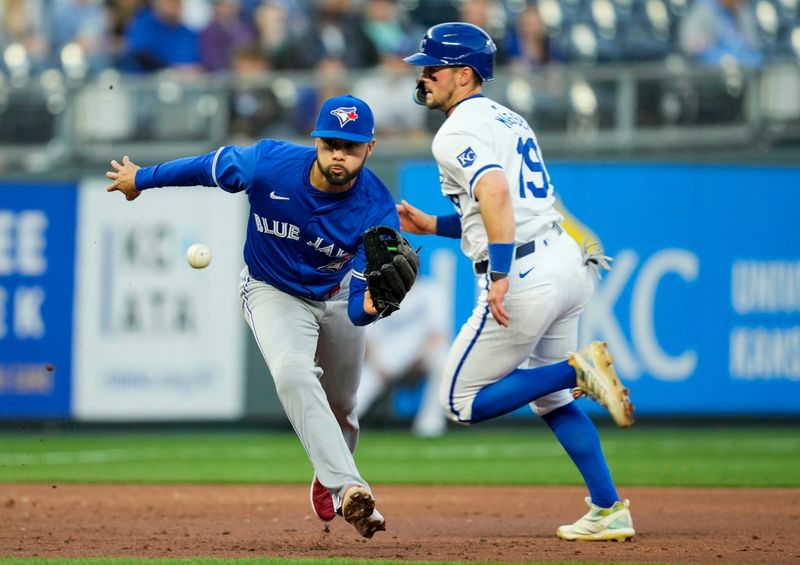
(198, 256)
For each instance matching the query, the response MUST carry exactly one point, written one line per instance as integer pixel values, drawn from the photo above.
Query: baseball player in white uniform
(515, 349)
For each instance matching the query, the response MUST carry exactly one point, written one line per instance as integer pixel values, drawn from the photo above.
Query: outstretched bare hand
(414, 220)
(123, 178)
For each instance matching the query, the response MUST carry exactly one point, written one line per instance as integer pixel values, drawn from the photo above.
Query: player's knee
(444, 404)
(293, 373)
(343, 409)
(454, 411)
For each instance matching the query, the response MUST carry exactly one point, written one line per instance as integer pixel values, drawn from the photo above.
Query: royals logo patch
(345, 115)
(467, 157)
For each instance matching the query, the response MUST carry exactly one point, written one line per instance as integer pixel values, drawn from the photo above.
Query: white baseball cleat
(601, 524)
(597, 378)
(358, 509)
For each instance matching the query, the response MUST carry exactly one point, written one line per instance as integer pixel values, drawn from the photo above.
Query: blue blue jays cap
(345, 117)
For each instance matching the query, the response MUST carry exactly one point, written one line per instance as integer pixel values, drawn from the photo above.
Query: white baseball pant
(547, 292)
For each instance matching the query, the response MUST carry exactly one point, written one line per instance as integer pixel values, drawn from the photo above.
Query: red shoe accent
(322, 501)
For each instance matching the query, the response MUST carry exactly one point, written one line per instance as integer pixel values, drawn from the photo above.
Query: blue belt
(522, 251)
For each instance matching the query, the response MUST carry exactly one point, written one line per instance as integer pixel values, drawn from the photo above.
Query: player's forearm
(188, 171)
(496, 211)
(356, 304)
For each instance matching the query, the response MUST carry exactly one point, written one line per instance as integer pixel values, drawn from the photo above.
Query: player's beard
(340, 179)
(442, 102)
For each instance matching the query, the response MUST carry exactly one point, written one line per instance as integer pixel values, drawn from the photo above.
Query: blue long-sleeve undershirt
(187, 171)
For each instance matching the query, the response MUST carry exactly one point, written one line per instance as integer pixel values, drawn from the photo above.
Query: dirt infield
(674, 525)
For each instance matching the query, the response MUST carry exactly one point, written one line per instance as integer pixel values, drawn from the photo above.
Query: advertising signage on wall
(702, 308)
(156, 339)
(37, 257)
(101, 317)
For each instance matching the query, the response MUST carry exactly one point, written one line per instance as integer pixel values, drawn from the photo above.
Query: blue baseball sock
(577, 434)
(520, 388)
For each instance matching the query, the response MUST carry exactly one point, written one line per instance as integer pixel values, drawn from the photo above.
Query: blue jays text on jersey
(299, 239)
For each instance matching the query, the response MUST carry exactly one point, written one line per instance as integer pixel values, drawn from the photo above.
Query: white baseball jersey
(547, 287)
(479, 136)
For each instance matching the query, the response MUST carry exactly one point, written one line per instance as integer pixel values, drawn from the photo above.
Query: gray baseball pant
(315, 354)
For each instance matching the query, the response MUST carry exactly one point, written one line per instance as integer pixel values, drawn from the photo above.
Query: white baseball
(198, 256)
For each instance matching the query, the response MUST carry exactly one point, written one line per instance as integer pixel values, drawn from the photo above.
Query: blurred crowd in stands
(139, 36)
(250, 39)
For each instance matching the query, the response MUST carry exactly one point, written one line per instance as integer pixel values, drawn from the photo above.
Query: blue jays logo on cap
(345, 117)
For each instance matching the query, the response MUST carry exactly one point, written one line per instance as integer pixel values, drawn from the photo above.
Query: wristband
(500, 256)
(448, 226)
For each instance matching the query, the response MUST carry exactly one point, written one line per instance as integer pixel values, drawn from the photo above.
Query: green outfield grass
(643, 455)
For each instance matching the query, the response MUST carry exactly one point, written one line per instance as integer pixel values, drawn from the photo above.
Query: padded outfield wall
(102, 319)
(702, 310)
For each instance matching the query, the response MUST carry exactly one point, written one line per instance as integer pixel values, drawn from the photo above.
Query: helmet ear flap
(419, 93)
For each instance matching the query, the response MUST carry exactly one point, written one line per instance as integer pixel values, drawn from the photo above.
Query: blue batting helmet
(456, 44)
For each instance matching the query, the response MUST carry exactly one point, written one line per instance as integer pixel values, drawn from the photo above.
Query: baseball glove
(392, 267)
(595, 259)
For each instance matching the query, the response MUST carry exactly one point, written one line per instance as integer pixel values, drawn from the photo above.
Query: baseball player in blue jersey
(303, 289)
(534, 279)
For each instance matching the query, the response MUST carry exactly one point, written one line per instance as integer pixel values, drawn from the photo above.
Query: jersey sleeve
(358, 282)
(355, 303)
(465, 158)
(233, 167)
(230, 167)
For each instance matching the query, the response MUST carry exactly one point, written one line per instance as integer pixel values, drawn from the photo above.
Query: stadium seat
(431, 12)
(648, 36)
(768, 24)
(575, 10)
(604, 18)
(581, 43)
(789, 10)
(794, 41)
(550, 12)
